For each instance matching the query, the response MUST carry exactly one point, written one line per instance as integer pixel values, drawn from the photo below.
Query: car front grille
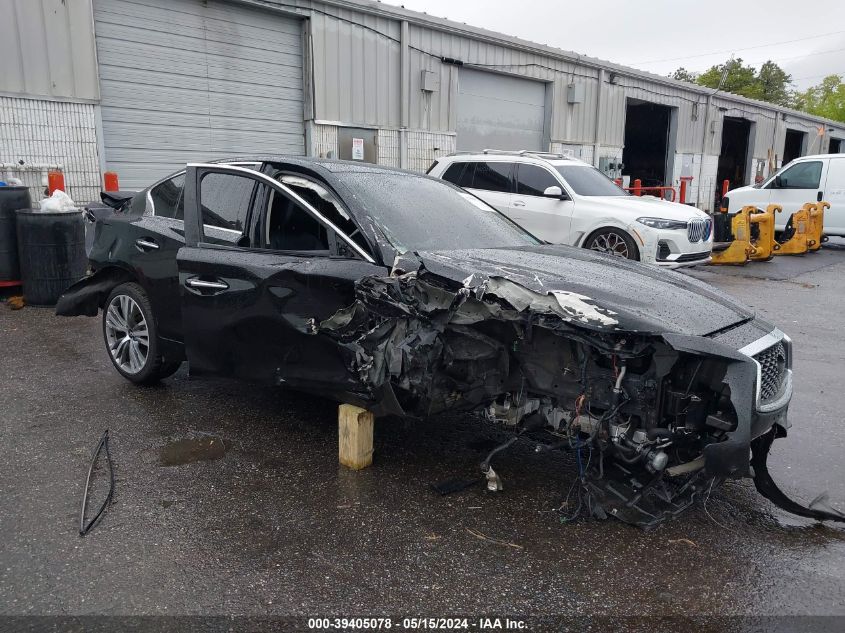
(772, 371)
(698, 230)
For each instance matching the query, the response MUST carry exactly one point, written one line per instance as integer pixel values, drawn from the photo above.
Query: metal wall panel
(498, 111)
(186, 80)
(38, 136)
(47, 50)
(690, 109)
(356, 70)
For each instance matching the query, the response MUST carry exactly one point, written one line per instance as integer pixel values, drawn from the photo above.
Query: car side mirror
(779, 184)
(554, 192)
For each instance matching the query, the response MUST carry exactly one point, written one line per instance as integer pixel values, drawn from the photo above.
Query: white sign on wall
(357, 149)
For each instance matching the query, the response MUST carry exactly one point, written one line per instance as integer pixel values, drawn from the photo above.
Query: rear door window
(493, 176)
(533, 180)
(225, 200)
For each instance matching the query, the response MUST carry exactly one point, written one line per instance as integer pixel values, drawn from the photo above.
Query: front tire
(131, 336)
(613, 242)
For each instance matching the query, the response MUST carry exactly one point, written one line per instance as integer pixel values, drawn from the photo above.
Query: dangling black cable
(84, 528)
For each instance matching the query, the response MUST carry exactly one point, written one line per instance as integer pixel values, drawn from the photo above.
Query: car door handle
(518, 203)
(820, 196)
(146, 244)
(202, 284)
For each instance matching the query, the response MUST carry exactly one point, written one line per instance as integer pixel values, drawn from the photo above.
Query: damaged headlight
(660, 223)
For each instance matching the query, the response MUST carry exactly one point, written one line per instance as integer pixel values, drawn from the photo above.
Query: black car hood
(626, 295)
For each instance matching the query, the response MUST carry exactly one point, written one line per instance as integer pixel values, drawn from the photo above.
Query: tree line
(772, 84)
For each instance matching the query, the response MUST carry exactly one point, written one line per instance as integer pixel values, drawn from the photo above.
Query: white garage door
(500, 112)
(186, 80)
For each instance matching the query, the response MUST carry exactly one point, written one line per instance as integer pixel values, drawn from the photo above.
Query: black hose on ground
(103, 445)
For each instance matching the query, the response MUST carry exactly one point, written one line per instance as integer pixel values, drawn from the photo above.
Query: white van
(805, 179)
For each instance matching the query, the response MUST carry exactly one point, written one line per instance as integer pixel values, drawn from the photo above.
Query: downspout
(708, 105)
(597, 141)
(404, 92)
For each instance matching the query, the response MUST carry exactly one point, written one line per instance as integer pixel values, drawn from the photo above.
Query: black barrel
(11, 199)
(51, 247)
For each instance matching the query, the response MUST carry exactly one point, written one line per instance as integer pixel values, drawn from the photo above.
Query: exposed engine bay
(655, 421)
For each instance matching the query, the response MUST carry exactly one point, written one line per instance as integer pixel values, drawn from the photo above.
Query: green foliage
(826, 99)
(739, 79)
(772, 84)
(682, 74)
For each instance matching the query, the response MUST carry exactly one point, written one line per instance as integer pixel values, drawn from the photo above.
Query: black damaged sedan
(409, 296)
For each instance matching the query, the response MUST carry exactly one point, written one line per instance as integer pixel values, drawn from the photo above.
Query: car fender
(86, 296)
(641, 234)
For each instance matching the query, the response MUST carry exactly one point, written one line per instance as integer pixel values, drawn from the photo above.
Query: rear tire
(131, 336)
(613, 242)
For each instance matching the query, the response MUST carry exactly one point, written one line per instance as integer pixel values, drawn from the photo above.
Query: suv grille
(698, 230)
(772, 371)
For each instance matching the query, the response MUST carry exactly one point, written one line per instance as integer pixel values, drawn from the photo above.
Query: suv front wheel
(131, 336)
(613, 242)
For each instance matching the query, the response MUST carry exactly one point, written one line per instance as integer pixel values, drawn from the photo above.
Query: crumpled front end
(654, 418)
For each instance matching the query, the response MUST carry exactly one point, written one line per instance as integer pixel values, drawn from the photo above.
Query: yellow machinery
(816, 227)
(765, 244)
(740, 249)
(799, 241)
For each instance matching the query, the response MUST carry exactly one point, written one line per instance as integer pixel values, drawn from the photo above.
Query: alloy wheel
(611, 243)
(127, 334)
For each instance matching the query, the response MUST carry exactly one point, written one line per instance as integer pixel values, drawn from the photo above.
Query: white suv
(566, 201)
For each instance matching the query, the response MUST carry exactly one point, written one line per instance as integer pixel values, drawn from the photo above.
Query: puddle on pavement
(188, 451)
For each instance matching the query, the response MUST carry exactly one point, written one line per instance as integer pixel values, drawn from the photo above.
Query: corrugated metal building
(142, 86)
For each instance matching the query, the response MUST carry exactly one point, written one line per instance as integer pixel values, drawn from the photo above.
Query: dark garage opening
(793, 146)
(835, 146)
(646, 142)
(733, 159)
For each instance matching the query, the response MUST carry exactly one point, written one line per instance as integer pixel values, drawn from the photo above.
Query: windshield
(589, 181)
(417, 213)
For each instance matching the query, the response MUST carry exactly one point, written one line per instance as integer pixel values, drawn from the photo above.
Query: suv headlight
(660, 223)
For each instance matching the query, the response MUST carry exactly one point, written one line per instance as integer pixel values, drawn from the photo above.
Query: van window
(801, 176)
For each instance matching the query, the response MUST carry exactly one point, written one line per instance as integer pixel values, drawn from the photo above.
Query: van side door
(834, 193)
(796, 186)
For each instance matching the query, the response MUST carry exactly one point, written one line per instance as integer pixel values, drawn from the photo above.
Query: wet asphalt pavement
(229, 499)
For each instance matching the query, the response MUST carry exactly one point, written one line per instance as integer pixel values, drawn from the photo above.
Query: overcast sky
(641, 33)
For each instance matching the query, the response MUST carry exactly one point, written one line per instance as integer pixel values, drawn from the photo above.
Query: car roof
(329, 164)
(523, 156)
